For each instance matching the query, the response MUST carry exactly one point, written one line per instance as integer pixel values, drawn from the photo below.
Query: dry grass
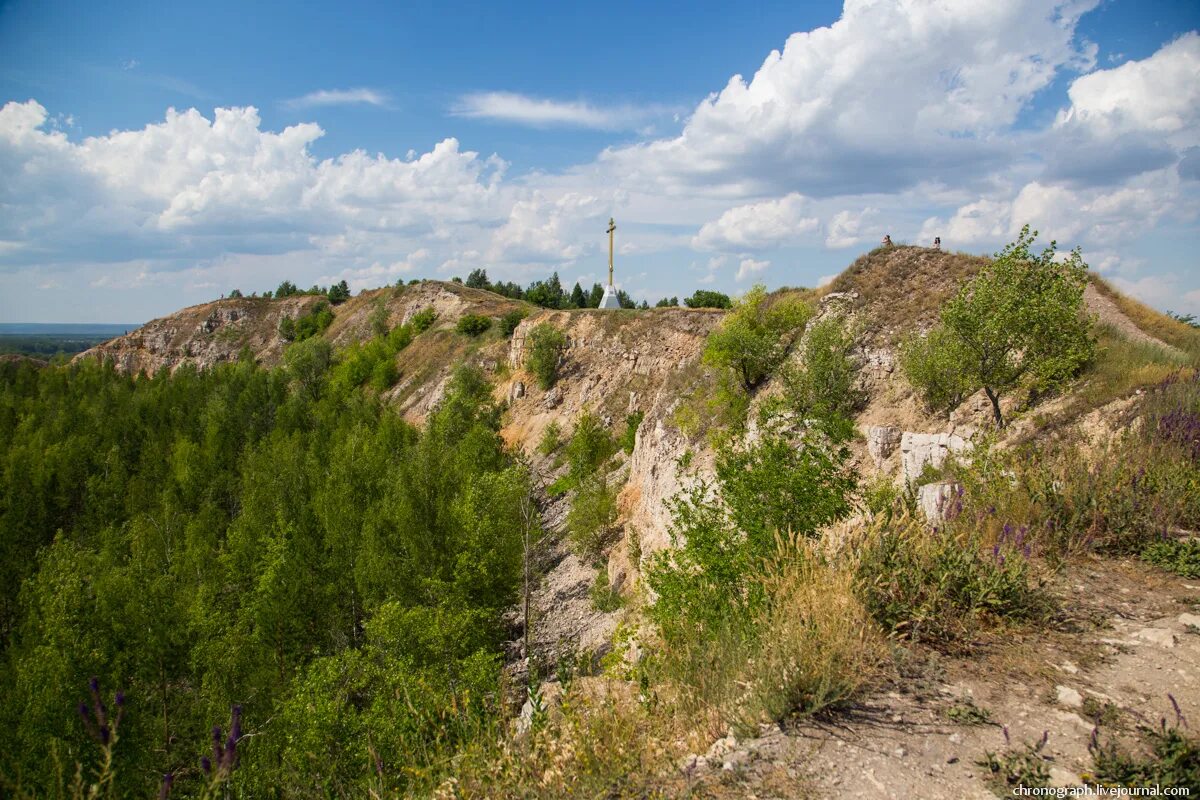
(1155, 323)
(903, 287)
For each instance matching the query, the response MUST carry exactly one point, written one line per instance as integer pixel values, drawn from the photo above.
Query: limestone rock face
(919, 449)
(935, 498)
(882, 441)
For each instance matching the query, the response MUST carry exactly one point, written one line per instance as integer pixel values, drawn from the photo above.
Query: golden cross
(612, 226)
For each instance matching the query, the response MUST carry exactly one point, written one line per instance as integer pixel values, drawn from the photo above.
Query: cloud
(193, 188)
(749, 267)
(757, 225)
(338, 97)
(540, 229)
(890, 95)
(538, 112)
(847, 228)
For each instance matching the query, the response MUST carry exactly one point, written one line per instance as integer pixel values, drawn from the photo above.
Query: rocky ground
(1126, 637)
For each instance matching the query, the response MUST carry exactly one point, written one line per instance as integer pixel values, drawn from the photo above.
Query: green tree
(548, 293)
(595, 296)
(703, 298)
(1019, 323)
(578, 298)
(473, 324)
(754, 338)
(544, 348)
(338, 293)
(478, 279)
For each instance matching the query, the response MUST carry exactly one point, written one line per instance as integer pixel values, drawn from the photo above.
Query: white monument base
(610, 298)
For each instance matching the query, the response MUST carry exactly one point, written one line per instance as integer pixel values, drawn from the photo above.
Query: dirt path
(1108, 313)
(1125, 641)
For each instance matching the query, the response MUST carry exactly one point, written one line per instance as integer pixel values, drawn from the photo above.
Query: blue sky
(374, 142)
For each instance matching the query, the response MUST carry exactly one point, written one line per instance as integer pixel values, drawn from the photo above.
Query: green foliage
(510, 321)
(824, 383)
(629, 437)
(1019, 323)
(379, 318)
(338, 293)
(934, 364)
(1121, 498)
(306, 325)
(548, 293)
(1174, 759)
(272, 538)
(593, 515)
(967, 713)
(703, 298)
(603, 596)
(1181, 556)
(708, 586)
(473, 324)
(754, 338)
(478, 279)
(551, 439)
(1024, 766)
(591, 445)
(936, 584)
(544, 350)
(423, 320)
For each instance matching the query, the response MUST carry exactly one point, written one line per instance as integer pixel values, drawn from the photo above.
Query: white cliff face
(917, 450)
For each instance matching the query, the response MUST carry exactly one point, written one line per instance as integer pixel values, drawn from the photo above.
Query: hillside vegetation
(432, 541)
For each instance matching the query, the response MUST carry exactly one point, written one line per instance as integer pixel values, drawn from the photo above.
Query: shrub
(592, 516)
(550, 440)
(754, 338)
(629, 437)
(423, 320)
(510, 321)
(473, 324)
(824, 384)
(1174, 759)
(603, 596)
(937, 584)
(1181, 556)
(544, 348)
(590, 446)
(384, 375)
(379, 319)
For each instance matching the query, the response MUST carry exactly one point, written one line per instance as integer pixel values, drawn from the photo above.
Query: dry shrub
(819, 645)
(600, 742)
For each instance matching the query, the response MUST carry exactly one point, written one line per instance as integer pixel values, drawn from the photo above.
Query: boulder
(881, 442)
(919, 449)
(935, 498)
(517, 391)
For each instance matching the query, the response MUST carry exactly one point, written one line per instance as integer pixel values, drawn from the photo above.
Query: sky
(158, 155)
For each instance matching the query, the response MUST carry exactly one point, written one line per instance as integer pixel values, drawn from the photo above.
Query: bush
(754, 338)
(379, 319)
(551, 439)
(544, 349)
(702, 298)
(1181, 556)
(510, 321)
(824, 384)
(629, 437)
(590, 446)
(473, 324)
(1174, 759)
(423, 320)
(592, 516)
(937, 584)
(384, 375)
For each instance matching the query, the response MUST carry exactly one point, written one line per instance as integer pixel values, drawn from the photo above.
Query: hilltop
(666, 422)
